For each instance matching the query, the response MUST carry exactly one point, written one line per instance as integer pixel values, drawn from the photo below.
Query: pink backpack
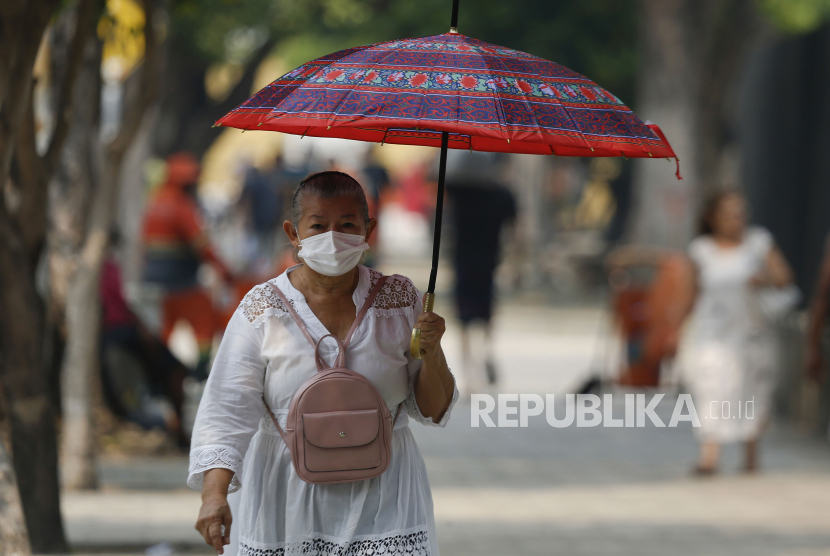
(339, 428)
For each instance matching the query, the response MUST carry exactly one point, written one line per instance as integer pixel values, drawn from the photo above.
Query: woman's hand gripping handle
(415, 339)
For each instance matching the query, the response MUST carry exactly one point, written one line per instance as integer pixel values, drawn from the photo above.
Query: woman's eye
(348, 225)
(316, 226)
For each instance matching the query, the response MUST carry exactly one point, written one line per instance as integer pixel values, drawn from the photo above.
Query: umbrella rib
(424, 94)
(576, 128)
(524, 98)
(499, 110)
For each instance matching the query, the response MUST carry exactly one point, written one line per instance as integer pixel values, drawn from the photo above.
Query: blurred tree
(12, 523)
(24, 344)
(85, 191)
(796, 16)
(693, 54)
(22, 25)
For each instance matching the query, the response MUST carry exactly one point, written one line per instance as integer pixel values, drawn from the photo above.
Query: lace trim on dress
(421, 418)
(213, 456)
(262, 302)
(410, 542)
(398, 296)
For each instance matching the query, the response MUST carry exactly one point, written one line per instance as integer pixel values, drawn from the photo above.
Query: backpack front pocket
(341, 440)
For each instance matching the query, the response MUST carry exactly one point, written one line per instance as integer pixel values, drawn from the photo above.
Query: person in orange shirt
(176, 244)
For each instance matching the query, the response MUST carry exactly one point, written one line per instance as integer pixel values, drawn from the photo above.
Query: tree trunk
(187, 114)
(80, 364)
(21, 27)
(25, 347)
(666, 97)
(692, 55)
(26, 390)
(74, 263)
(12, 524)
(94, 186)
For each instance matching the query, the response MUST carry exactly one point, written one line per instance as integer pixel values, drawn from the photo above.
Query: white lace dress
(279, 513)
(728, 356)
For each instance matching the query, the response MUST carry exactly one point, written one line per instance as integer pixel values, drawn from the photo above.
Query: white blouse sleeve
(231, 404)
(413, 367)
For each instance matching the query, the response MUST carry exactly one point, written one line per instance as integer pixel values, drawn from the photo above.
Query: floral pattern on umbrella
(488, 97)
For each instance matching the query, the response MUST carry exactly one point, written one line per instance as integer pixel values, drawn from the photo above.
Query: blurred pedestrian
(818, 318)
(816, 329)
(265, 356)
(162, 375)
(175, 245)
(481, 207)
(729, 355)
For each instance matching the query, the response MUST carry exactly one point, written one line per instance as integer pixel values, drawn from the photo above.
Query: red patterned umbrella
(450, 91)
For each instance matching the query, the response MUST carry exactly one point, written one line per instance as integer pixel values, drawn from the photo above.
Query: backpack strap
(341, 356)
(274, 420)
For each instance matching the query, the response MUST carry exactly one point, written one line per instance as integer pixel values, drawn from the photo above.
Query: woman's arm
(778, 270)
(215, 512)
(228, 416)
(435, 384)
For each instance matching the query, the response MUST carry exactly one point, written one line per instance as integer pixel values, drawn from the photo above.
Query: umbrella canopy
(450, 91)
(488, 97)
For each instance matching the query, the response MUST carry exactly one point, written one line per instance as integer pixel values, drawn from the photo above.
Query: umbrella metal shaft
(439, 210)
(429, 297)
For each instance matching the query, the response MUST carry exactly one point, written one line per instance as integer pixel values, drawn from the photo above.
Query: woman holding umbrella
(264, 355)
(447, 91)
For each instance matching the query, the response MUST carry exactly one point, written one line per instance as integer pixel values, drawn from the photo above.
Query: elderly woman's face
(729, 220)
(338, 214)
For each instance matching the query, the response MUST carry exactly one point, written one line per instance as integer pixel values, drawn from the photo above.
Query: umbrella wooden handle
(415, 339)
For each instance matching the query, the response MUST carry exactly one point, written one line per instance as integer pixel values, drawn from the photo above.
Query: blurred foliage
(595, 37)
(121, 27)
(796, 16)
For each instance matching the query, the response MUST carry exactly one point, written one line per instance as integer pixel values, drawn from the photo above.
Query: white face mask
(332, 253)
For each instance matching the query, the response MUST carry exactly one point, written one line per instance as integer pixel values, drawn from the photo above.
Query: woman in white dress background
(263, 352)
(728, 353)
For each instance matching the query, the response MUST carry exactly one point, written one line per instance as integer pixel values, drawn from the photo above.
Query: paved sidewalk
(536, 490)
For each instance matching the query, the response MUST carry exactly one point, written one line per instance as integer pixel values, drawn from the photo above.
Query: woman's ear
(291, 232)
(370, 227)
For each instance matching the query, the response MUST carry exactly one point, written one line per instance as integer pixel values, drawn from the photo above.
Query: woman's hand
(432, 330)
(215, 511)
(434, 387)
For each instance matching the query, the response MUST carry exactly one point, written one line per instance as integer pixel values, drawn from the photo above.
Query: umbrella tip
(328, 127)
(453, 30)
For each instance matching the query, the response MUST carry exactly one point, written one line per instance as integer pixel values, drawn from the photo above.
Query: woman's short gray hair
(328, 185)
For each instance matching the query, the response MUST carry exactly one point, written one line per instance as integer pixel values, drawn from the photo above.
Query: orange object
(173, 227)
(195, 307)
(650, 317)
